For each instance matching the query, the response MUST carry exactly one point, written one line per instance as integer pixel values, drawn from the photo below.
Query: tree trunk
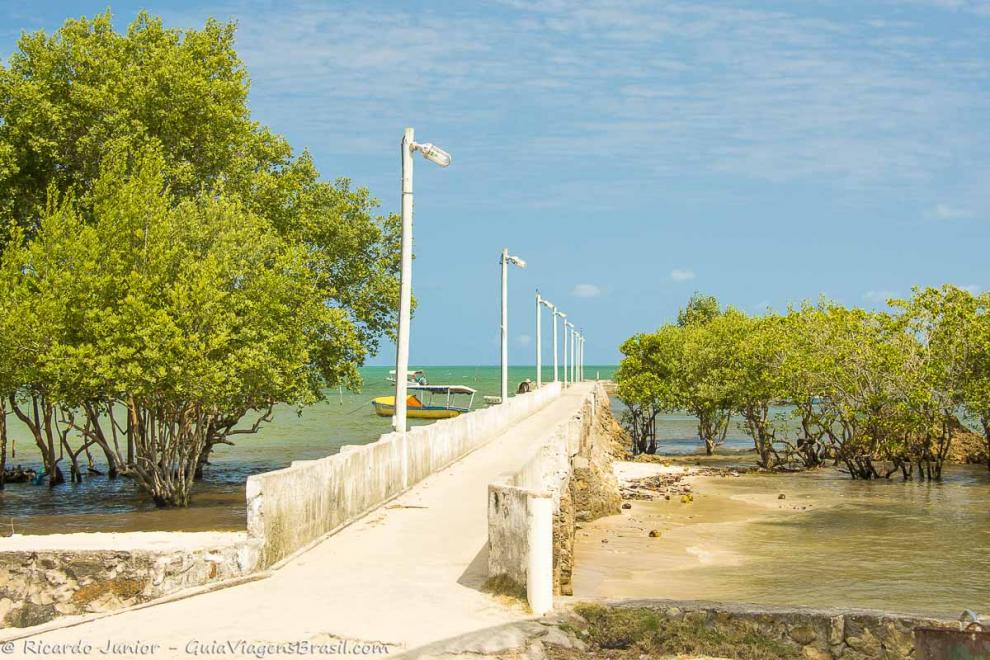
(3, 444)
(986, 434)
(38, 427)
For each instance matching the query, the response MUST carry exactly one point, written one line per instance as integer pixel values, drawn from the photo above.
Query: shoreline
(812, 539)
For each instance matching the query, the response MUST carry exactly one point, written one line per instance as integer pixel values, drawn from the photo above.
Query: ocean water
(101, 504)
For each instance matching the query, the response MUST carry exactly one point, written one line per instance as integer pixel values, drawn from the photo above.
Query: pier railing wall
(289, 509)
(527, 530)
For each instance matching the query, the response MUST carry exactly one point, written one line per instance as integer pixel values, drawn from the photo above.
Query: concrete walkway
(406, 574)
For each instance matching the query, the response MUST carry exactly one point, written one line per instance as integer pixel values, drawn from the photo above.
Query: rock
(803, 635)
(654, 533)
(866, 644)
(782, 497)
(685, 499)
(105, 603)
(626, 505)
(55, 577)
(535, 651)
(65, 608)
(604, 540)
(33, 615)
(837, 630)
(811, 653)
(557, 637)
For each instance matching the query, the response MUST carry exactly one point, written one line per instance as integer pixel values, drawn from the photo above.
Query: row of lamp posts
(573, 370)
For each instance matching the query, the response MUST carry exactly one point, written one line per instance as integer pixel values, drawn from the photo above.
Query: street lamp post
(573, 354)
(539, 347)
(505, 260)
(443, 159)
(581, 358)
(577, 358)
(539, 338)
(567, 324)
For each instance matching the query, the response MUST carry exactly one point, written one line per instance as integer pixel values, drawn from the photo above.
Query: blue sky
(632, 153)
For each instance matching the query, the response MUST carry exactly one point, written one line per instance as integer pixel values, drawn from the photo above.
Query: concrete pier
(407, 573)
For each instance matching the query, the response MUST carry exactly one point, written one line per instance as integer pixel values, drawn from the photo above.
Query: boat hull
(385, 407)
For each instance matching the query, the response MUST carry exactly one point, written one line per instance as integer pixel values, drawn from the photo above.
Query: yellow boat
(415, 407)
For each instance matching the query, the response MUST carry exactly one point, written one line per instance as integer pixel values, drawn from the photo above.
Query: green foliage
(699, 310)
(76, 99)
(681, 367)
(168, 265)
(68, 97)
(187, 313)
(876, 392)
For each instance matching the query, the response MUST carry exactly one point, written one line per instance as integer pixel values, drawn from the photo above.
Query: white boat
(413, 377)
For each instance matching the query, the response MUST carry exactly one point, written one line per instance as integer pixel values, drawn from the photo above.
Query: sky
(632, 152)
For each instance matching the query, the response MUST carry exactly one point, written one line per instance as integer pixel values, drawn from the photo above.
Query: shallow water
(831, 542)
(100, 504)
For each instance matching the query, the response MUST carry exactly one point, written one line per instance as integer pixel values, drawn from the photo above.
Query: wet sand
(829, 542)
(691, 535)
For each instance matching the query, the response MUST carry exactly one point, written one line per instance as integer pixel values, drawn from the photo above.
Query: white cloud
(681, 275)
(880, 296)
(946, 212)
(586, 291)
(674, 87)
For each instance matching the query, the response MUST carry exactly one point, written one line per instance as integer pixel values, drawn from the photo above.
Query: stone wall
(812, 634)
(571, 468)
(817, 634)
(42, 584)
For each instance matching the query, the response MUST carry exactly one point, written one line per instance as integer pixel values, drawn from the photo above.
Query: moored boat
(422, 402)
(413, 377)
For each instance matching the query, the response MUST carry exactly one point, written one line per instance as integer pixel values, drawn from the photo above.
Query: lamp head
(433, 153)
(510, 259)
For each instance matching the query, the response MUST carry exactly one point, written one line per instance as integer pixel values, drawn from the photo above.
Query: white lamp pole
(581, 359)
(566, 332)
(505, 260)
(573, 354)
(441, 158)
(577, 358)
(556, 313)
(539, 335)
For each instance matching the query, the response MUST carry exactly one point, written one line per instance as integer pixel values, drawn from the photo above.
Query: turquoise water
(100, 504)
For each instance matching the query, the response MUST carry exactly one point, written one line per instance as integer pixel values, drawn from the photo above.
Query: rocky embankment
(671, 483)
(692, 630)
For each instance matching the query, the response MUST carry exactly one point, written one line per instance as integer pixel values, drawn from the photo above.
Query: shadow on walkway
(476, 573)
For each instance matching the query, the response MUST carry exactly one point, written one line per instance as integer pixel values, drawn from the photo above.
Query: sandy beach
(761, 537)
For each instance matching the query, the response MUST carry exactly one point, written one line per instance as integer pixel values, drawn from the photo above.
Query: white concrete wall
(521, 506)
(290, 508)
